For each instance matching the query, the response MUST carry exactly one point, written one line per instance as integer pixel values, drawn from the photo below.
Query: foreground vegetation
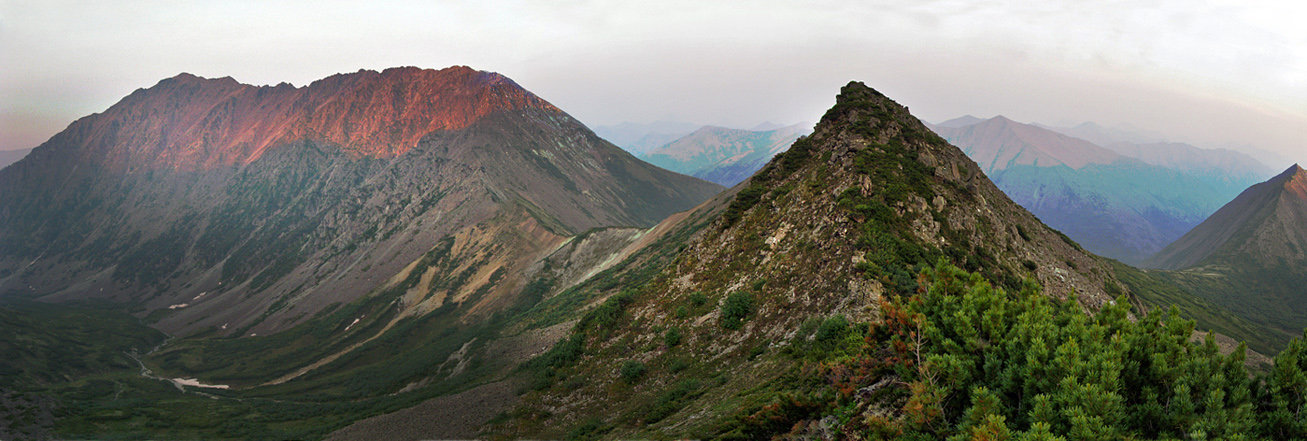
(963, 360)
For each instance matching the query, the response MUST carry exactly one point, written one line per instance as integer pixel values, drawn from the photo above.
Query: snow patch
(197, 383)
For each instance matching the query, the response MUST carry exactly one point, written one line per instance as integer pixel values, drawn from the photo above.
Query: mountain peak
(1000, 143)
(961, 121)
(189, 122)
(1295, 181)
(855, 100)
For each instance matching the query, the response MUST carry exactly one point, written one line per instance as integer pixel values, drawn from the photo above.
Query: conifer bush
(982, 363)
(737, 308)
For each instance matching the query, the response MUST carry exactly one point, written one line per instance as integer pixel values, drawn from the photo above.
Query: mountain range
(1105, 136)
(639, 138)
(1116, 205)
(1228, 171)
(722, 155)
(419, 254)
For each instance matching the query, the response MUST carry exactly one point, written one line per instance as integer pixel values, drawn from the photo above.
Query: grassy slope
(1264, 297)
(1158, 289)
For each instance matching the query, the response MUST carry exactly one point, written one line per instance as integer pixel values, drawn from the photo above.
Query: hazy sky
(1207, 72)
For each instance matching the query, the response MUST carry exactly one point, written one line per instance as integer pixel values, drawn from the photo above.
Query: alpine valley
(424, 254)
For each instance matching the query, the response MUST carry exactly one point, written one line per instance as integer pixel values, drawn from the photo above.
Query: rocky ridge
(826, 229)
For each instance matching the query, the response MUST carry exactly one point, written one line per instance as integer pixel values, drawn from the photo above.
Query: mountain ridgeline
(211, 204)
(1265, 224)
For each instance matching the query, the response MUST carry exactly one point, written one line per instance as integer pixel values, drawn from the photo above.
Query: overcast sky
(1207, 72)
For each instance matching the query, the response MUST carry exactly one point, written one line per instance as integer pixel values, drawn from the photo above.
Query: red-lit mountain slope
(209, 204)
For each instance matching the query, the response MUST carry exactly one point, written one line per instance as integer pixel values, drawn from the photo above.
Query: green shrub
(698, 299)
(833, 328)
(1021, 231)
(677, 365)
(593, 428)
(672, 400)
(810, 324)
(1011, 363)
(737, 308)
(672, 337)
(632, 371)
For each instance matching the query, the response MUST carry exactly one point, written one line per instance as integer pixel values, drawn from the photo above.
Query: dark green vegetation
(369, 381)
(1157, 290)
(736, 309)
(965, 360)
(1270, 298)
(46, 344)
(48, 352)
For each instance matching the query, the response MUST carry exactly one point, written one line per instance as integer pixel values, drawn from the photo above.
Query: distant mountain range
(961, 121)
(1115, 205)
(1104, 136)
(11, 156)
(722, 155)
(638, 138)
(1228, 171)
